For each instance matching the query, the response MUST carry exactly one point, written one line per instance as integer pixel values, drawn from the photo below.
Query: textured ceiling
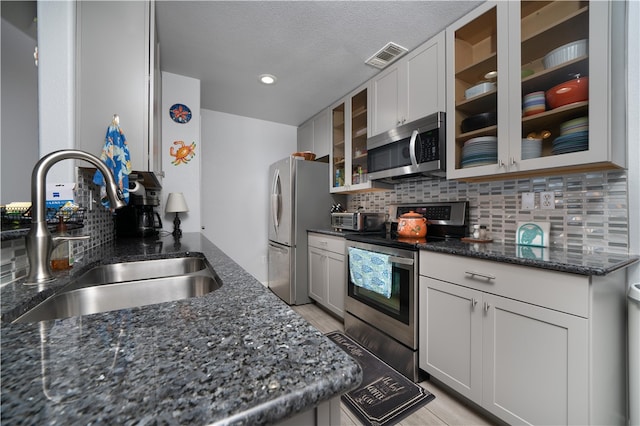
(316, 49)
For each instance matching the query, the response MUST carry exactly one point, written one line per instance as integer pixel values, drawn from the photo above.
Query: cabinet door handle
(486, 307)
(513, 161)
(474, 302)
(473, 274)
(500, 163)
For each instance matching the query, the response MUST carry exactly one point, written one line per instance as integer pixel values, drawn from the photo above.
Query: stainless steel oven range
(387, 324)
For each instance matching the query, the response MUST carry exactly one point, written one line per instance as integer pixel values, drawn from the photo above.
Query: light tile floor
(446, 409)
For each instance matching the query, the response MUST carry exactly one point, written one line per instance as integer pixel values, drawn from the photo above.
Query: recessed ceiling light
(267, 79)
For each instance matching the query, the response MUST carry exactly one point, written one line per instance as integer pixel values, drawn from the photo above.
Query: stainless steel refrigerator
(300, 200)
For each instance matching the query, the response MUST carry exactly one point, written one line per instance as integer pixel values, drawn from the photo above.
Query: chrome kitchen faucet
(39, 242)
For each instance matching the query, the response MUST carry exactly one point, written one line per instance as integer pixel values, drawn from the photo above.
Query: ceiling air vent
(386, 55)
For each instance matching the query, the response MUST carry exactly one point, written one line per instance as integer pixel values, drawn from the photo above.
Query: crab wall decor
(183, 154)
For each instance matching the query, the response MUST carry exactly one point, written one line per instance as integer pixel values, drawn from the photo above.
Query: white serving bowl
(479, 89)
(565, 53)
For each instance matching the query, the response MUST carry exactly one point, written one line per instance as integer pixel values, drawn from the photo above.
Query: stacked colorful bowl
(480, 151)
(533, 103)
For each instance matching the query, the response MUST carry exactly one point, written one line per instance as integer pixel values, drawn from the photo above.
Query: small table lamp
(176, 204)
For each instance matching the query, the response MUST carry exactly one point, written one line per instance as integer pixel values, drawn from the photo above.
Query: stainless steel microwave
(415, 148)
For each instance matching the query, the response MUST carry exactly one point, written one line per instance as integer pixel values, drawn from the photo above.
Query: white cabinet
(115, 75)
(512, 39)
(514, 339)
(451, 335)
(305, 136)
(327, 273)
(385, 103)
(412, 88)
(348, 158)
(322, 134)
(315, 134)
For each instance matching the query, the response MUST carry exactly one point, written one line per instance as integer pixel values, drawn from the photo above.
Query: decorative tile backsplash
(591, 209)
(98, 221)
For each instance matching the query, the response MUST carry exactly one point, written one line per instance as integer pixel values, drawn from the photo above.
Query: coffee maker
(139, 218)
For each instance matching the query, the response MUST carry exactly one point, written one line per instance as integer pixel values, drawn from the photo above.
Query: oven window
(397, 306)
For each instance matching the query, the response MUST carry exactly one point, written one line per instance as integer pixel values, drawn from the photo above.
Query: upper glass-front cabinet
(554, 78)
(359, 138)
(338, 146)
(349, 124)
(533, 88)
(477, 48)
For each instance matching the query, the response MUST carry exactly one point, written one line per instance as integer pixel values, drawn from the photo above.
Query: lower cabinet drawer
(327, 242)
(554, 290)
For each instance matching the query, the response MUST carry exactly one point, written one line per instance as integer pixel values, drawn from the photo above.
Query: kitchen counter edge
(581, 263)
(555, 259)
(256, 361)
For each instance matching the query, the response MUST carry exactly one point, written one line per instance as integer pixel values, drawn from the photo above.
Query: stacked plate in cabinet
(480, 151)
(572, 142)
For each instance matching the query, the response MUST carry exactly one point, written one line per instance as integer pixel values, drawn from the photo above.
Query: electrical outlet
(528, 200)
(547, 200)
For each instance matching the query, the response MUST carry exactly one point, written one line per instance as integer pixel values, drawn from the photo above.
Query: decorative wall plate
(180, 113)
(533, 234)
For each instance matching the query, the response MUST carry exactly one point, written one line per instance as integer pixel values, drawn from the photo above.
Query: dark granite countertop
(538, 257)
(238, 355)
(332, 232)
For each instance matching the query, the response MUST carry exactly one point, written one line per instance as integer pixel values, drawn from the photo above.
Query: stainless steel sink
(124, 285)
(132, 271)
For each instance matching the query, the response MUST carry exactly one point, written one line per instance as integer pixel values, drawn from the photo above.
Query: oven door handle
(401, 260)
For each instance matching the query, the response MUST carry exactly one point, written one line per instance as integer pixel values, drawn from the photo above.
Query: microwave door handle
(412, 148)
(275, 200)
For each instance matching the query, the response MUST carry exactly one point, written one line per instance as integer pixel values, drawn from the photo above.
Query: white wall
(236, 155)
(181, 177)
(633, 134)
(56, 83)
(19, 114)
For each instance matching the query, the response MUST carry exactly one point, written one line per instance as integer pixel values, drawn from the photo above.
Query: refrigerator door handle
(276, 196)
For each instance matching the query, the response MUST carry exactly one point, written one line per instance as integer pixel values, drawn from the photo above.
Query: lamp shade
(176, 203)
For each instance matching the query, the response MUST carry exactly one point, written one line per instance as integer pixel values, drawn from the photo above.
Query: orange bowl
(307, 155)
(576, 90)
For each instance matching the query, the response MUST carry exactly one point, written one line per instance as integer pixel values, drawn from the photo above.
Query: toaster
(358, 221)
